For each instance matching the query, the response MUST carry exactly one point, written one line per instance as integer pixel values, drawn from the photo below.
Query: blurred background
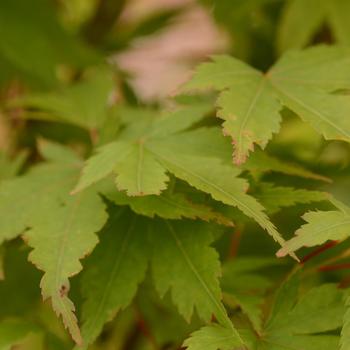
(150, 47)
(138, 53)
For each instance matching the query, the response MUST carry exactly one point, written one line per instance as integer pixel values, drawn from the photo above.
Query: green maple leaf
(138, 171)
(183, 262)
(71, 229)
(119, 263)
(58, 226)
(147, 149)
(25, 198)
(177, 263)
(321, 226)
(114, 270)
(295, 323)
(301, 20)
(250, 102)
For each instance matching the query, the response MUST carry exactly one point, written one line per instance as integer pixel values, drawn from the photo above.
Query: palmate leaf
(25, 198)
(295, 323)
(195, 272)
(72, 228)
(301, 20)
(183, 154)
(321, 226)
(138, 171)
(183, 262)
(302, 81)
(59, 227)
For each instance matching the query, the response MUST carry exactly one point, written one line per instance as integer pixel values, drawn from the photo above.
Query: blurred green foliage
(65, 96)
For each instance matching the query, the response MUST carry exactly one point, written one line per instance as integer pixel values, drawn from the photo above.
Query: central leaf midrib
(63, 242)
(139, 167)
(255, 98)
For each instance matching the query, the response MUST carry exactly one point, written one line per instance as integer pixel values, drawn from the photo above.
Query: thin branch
(318, 251)
(334, 267)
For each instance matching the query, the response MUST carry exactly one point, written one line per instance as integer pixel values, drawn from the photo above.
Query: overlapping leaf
(72, 228)
(321, 226)
(138, 170)
(168, 205)
(303, 81)
(183, 262)
(295, 323)
(181, 153)
(59, 227)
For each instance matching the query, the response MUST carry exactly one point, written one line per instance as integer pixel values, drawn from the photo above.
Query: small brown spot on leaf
(63, 291)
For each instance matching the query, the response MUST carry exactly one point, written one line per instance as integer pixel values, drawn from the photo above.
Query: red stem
(235, 242)
(334, 267)
(318, 251)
